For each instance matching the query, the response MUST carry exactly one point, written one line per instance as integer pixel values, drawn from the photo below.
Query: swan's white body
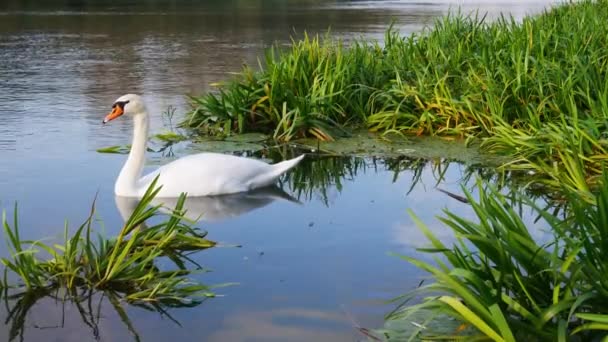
(202, 174)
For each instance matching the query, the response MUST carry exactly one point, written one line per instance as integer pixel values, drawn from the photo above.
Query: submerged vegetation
(535, 91)
(124, 269)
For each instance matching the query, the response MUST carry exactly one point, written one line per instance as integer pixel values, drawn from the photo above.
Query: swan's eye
(120, 104)
(118, 109)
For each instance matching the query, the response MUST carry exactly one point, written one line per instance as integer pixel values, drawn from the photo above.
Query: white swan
(202, 174)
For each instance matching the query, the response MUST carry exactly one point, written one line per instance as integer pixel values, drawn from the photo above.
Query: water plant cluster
(126, 269)
(535, 90)
(504, 283)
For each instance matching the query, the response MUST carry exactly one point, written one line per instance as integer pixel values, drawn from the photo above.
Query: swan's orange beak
(116, 112)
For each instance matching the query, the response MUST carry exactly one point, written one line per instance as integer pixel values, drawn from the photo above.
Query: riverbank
(533, 90)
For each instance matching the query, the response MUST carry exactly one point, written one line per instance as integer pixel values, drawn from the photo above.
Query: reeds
(299, 92)
(125, 265)
(536, 90)
(505, 284)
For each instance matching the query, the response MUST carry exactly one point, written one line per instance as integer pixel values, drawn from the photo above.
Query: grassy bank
(535, 90)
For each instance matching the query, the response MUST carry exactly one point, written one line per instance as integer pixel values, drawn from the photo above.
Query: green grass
(505, 284)
(124, 266)
(536, 91)
(313, 89)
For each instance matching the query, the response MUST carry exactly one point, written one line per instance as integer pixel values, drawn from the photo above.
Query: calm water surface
(309, 271)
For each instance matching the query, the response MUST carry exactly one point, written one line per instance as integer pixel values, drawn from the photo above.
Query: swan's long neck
(127, 181)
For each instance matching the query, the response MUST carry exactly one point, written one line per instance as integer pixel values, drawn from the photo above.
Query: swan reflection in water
(212, 208)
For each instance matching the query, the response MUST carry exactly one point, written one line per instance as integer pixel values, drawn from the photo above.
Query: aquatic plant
(125, 265)
(118, 149)
(533, 90)
(504, 284)
(171, 134)
(297, 93)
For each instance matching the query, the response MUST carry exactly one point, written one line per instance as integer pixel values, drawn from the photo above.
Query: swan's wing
(207, 174)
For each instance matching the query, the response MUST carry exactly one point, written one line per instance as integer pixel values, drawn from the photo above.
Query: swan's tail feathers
(276, 171)
(284, 166)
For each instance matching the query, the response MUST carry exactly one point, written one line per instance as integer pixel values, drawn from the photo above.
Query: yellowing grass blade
(472, 318)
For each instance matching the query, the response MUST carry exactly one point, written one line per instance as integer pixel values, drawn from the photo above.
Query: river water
(313, 270)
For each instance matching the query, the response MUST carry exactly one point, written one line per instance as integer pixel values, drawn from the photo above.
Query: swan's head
(129, 104)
